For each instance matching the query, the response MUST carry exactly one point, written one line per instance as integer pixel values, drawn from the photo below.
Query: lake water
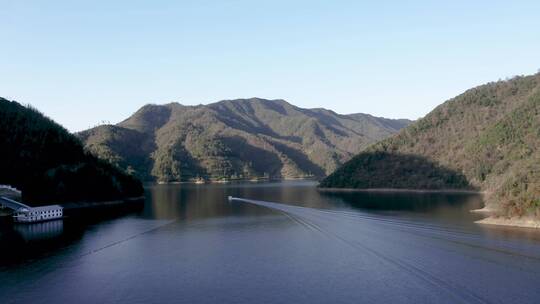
(190, 245)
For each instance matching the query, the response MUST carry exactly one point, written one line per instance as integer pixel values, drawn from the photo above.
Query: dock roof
(46, 208)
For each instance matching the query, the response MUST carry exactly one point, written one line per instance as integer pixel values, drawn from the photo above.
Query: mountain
(486, 138)
(243, 138)
(50, 165)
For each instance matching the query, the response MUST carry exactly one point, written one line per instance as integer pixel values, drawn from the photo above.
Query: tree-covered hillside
(244, 138)
(489, 134)
(50, 165)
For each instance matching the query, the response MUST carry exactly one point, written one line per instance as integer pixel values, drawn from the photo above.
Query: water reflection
(185, 203)
(190, 245)
(191, 201)
(41, 230)
(446, 207)
(407, 201)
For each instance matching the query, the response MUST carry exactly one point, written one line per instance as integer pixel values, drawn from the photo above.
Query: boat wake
(395, 243)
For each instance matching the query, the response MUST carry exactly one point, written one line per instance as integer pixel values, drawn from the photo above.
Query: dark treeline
(50, 165)
(393, 170)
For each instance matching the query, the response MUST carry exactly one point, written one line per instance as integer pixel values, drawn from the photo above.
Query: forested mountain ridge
(50, 165)
(486, 138)
(243, 138)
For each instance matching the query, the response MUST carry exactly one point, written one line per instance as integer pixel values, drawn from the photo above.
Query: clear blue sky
(85, 62)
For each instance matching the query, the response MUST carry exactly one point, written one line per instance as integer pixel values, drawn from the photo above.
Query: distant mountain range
(235, 139)
(487, 138)
(50, 165)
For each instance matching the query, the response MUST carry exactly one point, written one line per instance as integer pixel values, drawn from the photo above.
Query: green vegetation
(235, 139)
(490, 135)
(50, 165)
(378, 169)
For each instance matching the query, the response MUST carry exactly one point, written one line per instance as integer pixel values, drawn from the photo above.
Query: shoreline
(404, 190)
(493, 218)
(485, 210)
(496, 220)
(196, 182)
(75, 206)
(521, 222)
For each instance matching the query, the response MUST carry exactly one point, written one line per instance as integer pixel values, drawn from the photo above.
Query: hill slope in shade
(490, 135)
(243, 138)
(50, 165)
